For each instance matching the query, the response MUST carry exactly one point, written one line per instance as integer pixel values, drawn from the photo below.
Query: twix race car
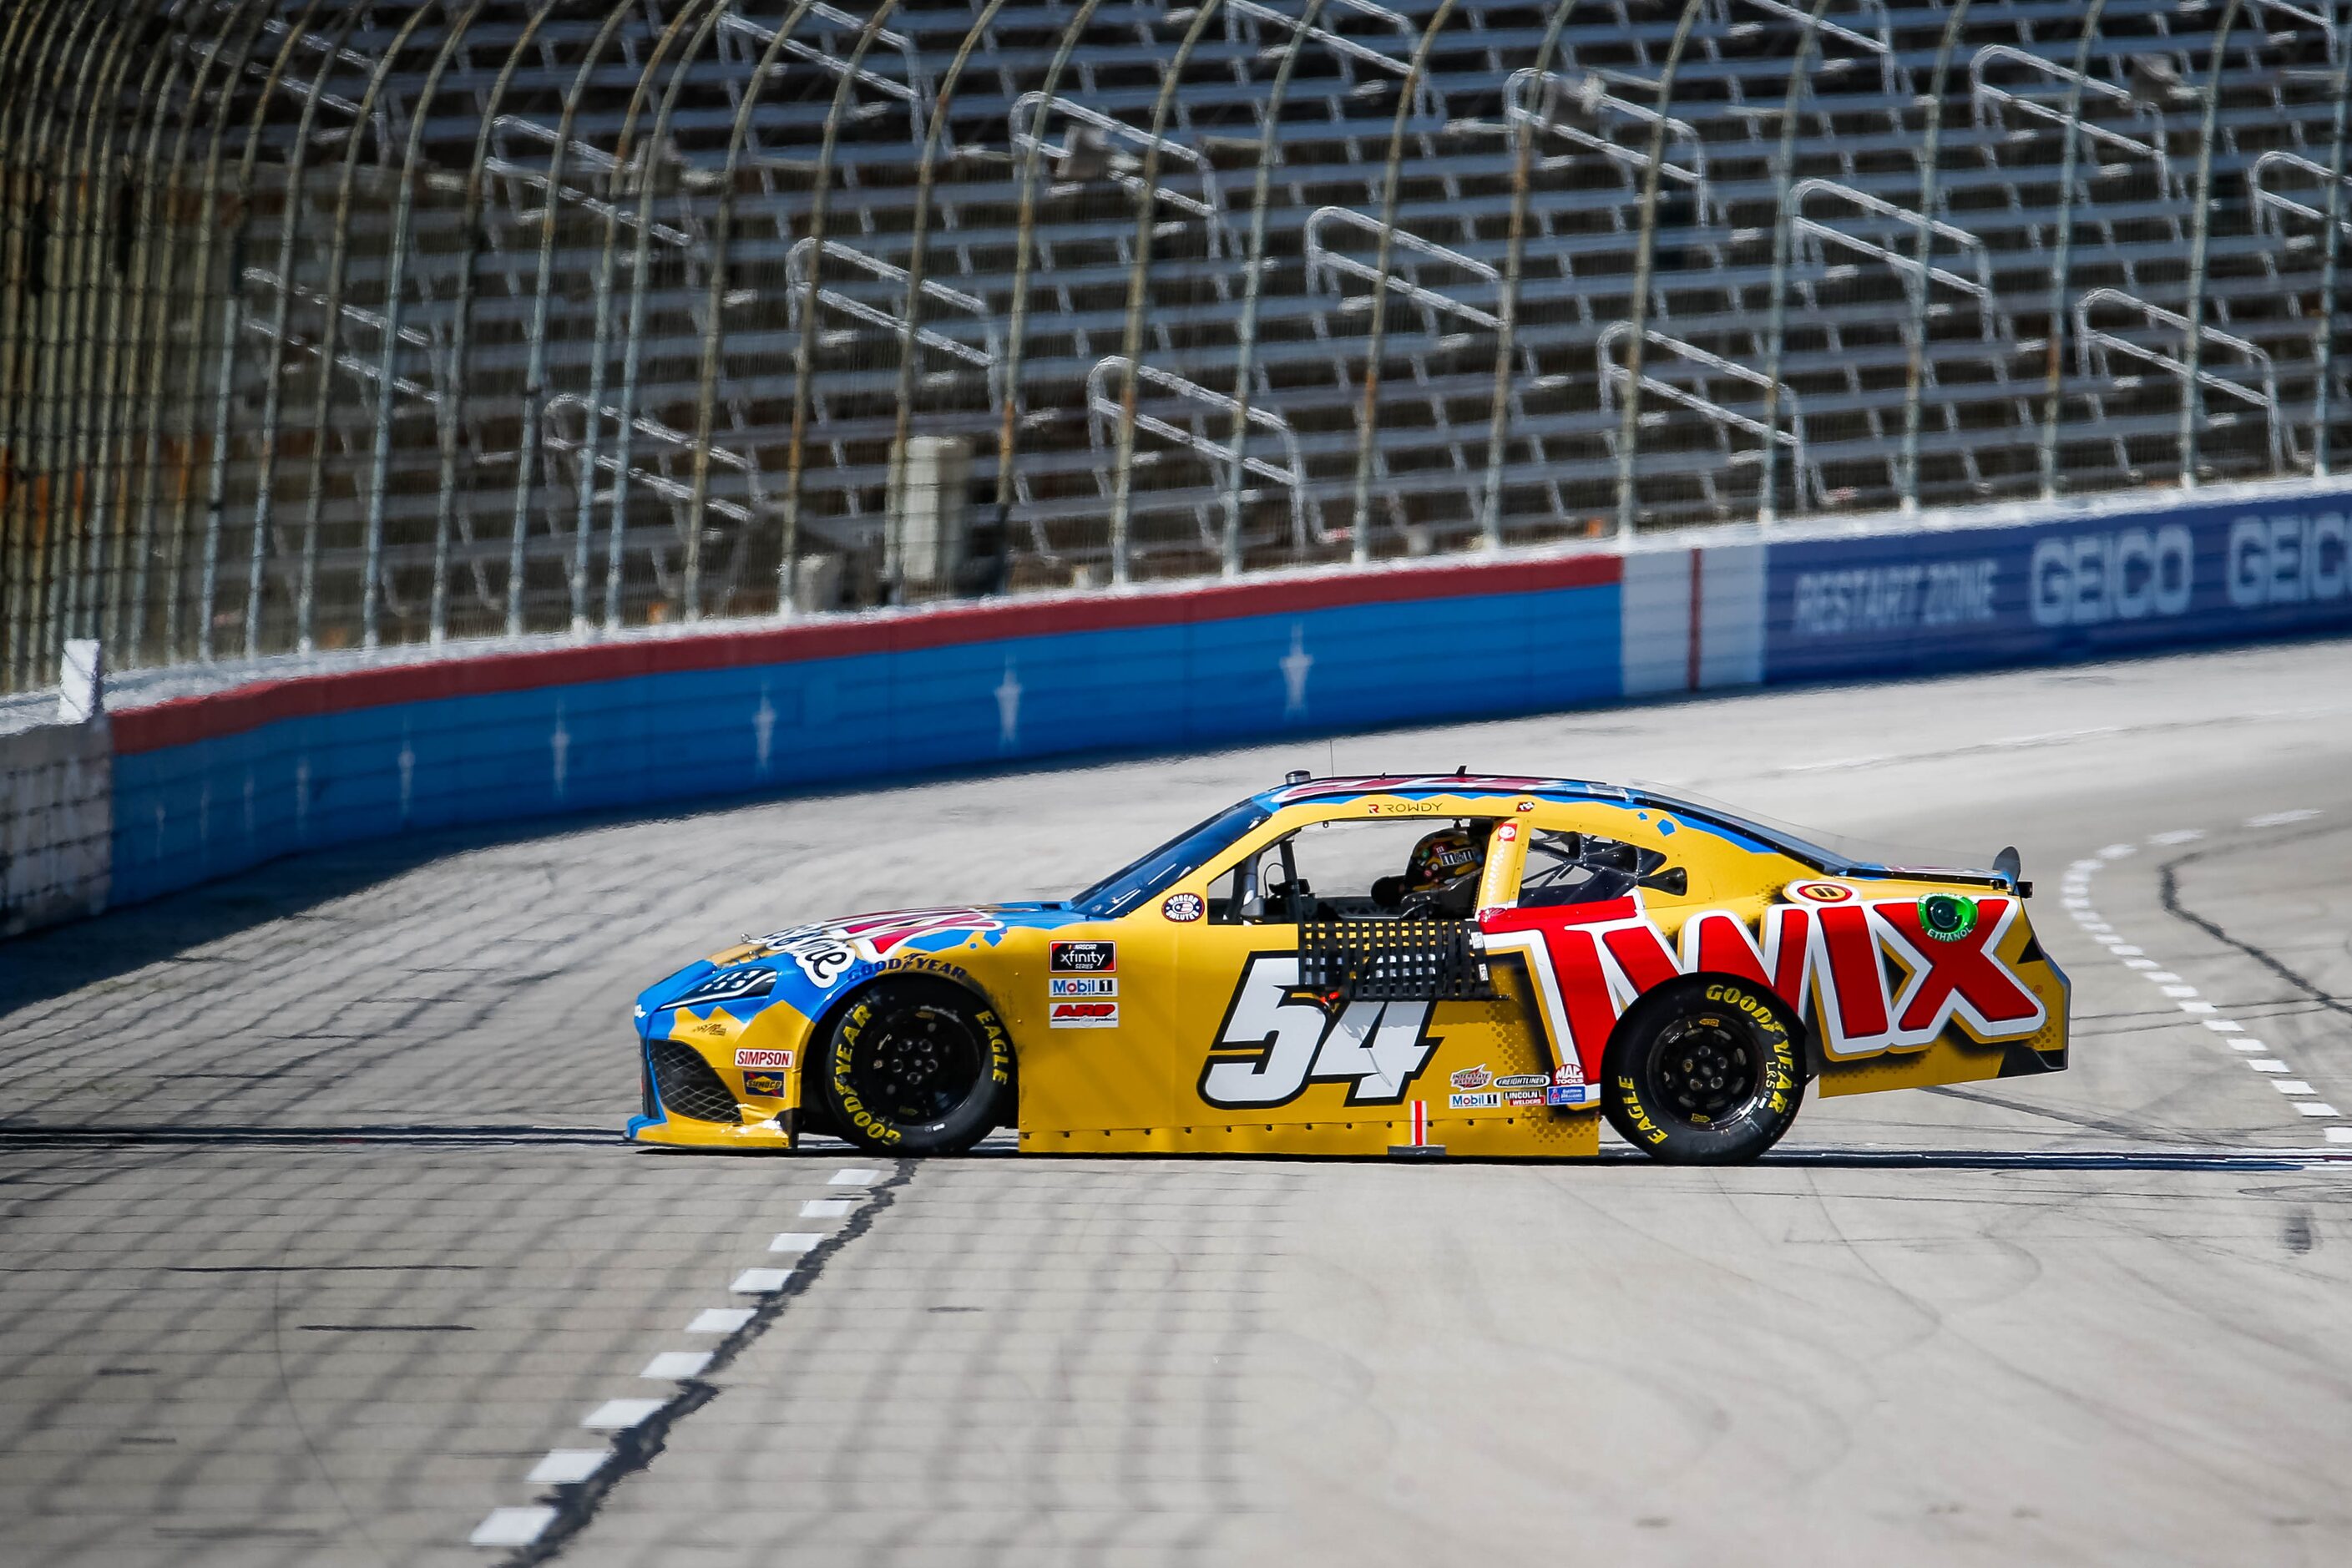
(1422, 965)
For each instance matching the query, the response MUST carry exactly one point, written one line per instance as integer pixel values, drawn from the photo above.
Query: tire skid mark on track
(2168, 883)
(2256, 1054)
(635, 1447)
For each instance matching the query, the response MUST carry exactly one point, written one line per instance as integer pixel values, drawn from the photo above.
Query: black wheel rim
(916, 1064)
(1707, 1070)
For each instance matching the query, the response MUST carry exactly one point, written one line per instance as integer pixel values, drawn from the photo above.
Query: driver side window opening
(1370, 869)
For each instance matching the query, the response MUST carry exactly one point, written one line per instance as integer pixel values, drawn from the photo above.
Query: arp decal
(1275, 1039)
(1083, 1016)
(1587, 967)
(1082, 958)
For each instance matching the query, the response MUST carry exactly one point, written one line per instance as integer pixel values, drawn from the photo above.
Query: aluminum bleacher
(614, 316)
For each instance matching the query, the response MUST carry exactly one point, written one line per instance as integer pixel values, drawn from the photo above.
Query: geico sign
(2085, 579)
(2286, 559)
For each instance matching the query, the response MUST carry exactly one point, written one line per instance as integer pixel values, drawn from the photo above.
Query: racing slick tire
(917, 1067)
(1705, 1070)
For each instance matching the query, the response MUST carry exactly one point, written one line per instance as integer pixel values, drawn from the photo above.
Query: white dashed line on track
(759, 1281)
(513, 1526)
(676, 1366)
(568, 1467)
(2075, 899)
(525, 1526)
(619, 1414)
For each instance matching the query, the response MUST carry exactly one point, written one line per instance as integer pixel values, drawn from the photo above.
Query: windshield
(1124, 888)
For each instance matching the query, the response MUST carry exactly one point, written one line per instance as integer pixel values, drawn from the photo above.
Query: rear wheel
(917, 1067)
(1703, 1070)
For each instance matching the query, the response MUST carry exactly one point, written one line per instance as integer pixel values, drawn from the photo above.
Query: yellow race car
(1412, 966)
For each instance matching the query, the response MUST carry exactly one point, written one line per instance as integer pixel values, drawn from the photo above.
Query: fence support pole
(2324, 353)
(910, 326)
(1507, 310)
(2061, 250)
(1914, 383)
(453, 383)
(632, 344)
(273, 380)
(403, 212)
(1253, 282)
(534, 389)
(1368, 418)
(1138, 276)
(805, 341)
(723, 235)
(1776, 311)
(2192, 404)
(1024, 238)
(1629, 424)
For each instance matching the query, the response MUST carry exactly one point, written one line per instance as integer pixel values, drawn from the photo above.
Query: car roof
(1356, 786)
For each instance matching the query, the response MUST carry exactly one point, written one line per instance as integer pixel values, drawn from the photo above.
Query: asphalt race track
(319, 1244)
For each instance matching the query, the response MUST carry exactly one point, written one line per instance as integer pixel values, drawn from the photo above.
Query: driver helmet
(1445, 857)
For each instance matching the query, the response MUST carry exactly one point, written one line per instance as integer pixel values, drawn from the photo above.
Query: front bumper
(690, 1101)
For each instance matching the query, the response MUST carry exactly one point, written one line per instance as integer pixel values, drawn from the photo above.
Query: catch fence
(328, 324)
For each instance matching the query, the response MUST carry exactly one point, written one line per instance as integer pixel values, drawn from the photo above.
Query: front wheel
(1703, 1070)
(917, 1067)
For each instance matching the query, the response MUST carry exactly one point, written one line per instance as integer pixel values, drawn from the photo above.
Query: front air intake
(686, 1083)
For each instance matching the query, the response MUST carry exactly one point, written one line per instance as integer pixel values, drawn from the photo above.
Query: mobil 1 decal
(1277, 1038)
(1585, 972)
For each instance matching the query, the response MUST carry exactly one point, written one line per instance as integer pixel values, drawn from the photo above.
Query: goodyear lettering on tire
(843, 1053)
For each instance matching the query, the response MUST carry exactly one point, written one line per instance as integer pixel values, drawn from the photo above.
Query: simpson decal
(1062, 985)
(1082, 957)
(1083, 1016)
(777, 1061)
(1278, 1038)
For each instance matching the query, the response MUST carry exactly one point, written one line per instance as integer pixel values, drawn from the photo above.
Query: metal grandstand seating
(628, 345)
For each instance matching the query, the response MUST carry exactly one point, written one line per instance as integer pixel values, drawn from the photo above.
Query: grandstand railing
(353, 323)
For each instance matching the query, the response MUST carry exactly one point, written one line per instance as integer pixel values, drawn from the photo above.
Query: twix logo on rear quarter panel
(1590, 963)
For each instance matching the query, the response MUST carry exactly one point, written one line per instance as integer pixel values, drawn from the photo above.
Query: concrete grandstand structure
(327, 322)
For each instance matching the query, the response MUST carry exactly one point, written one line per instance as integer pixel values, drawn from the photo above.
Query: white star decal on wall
(1295, 665)
(1008, 709)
